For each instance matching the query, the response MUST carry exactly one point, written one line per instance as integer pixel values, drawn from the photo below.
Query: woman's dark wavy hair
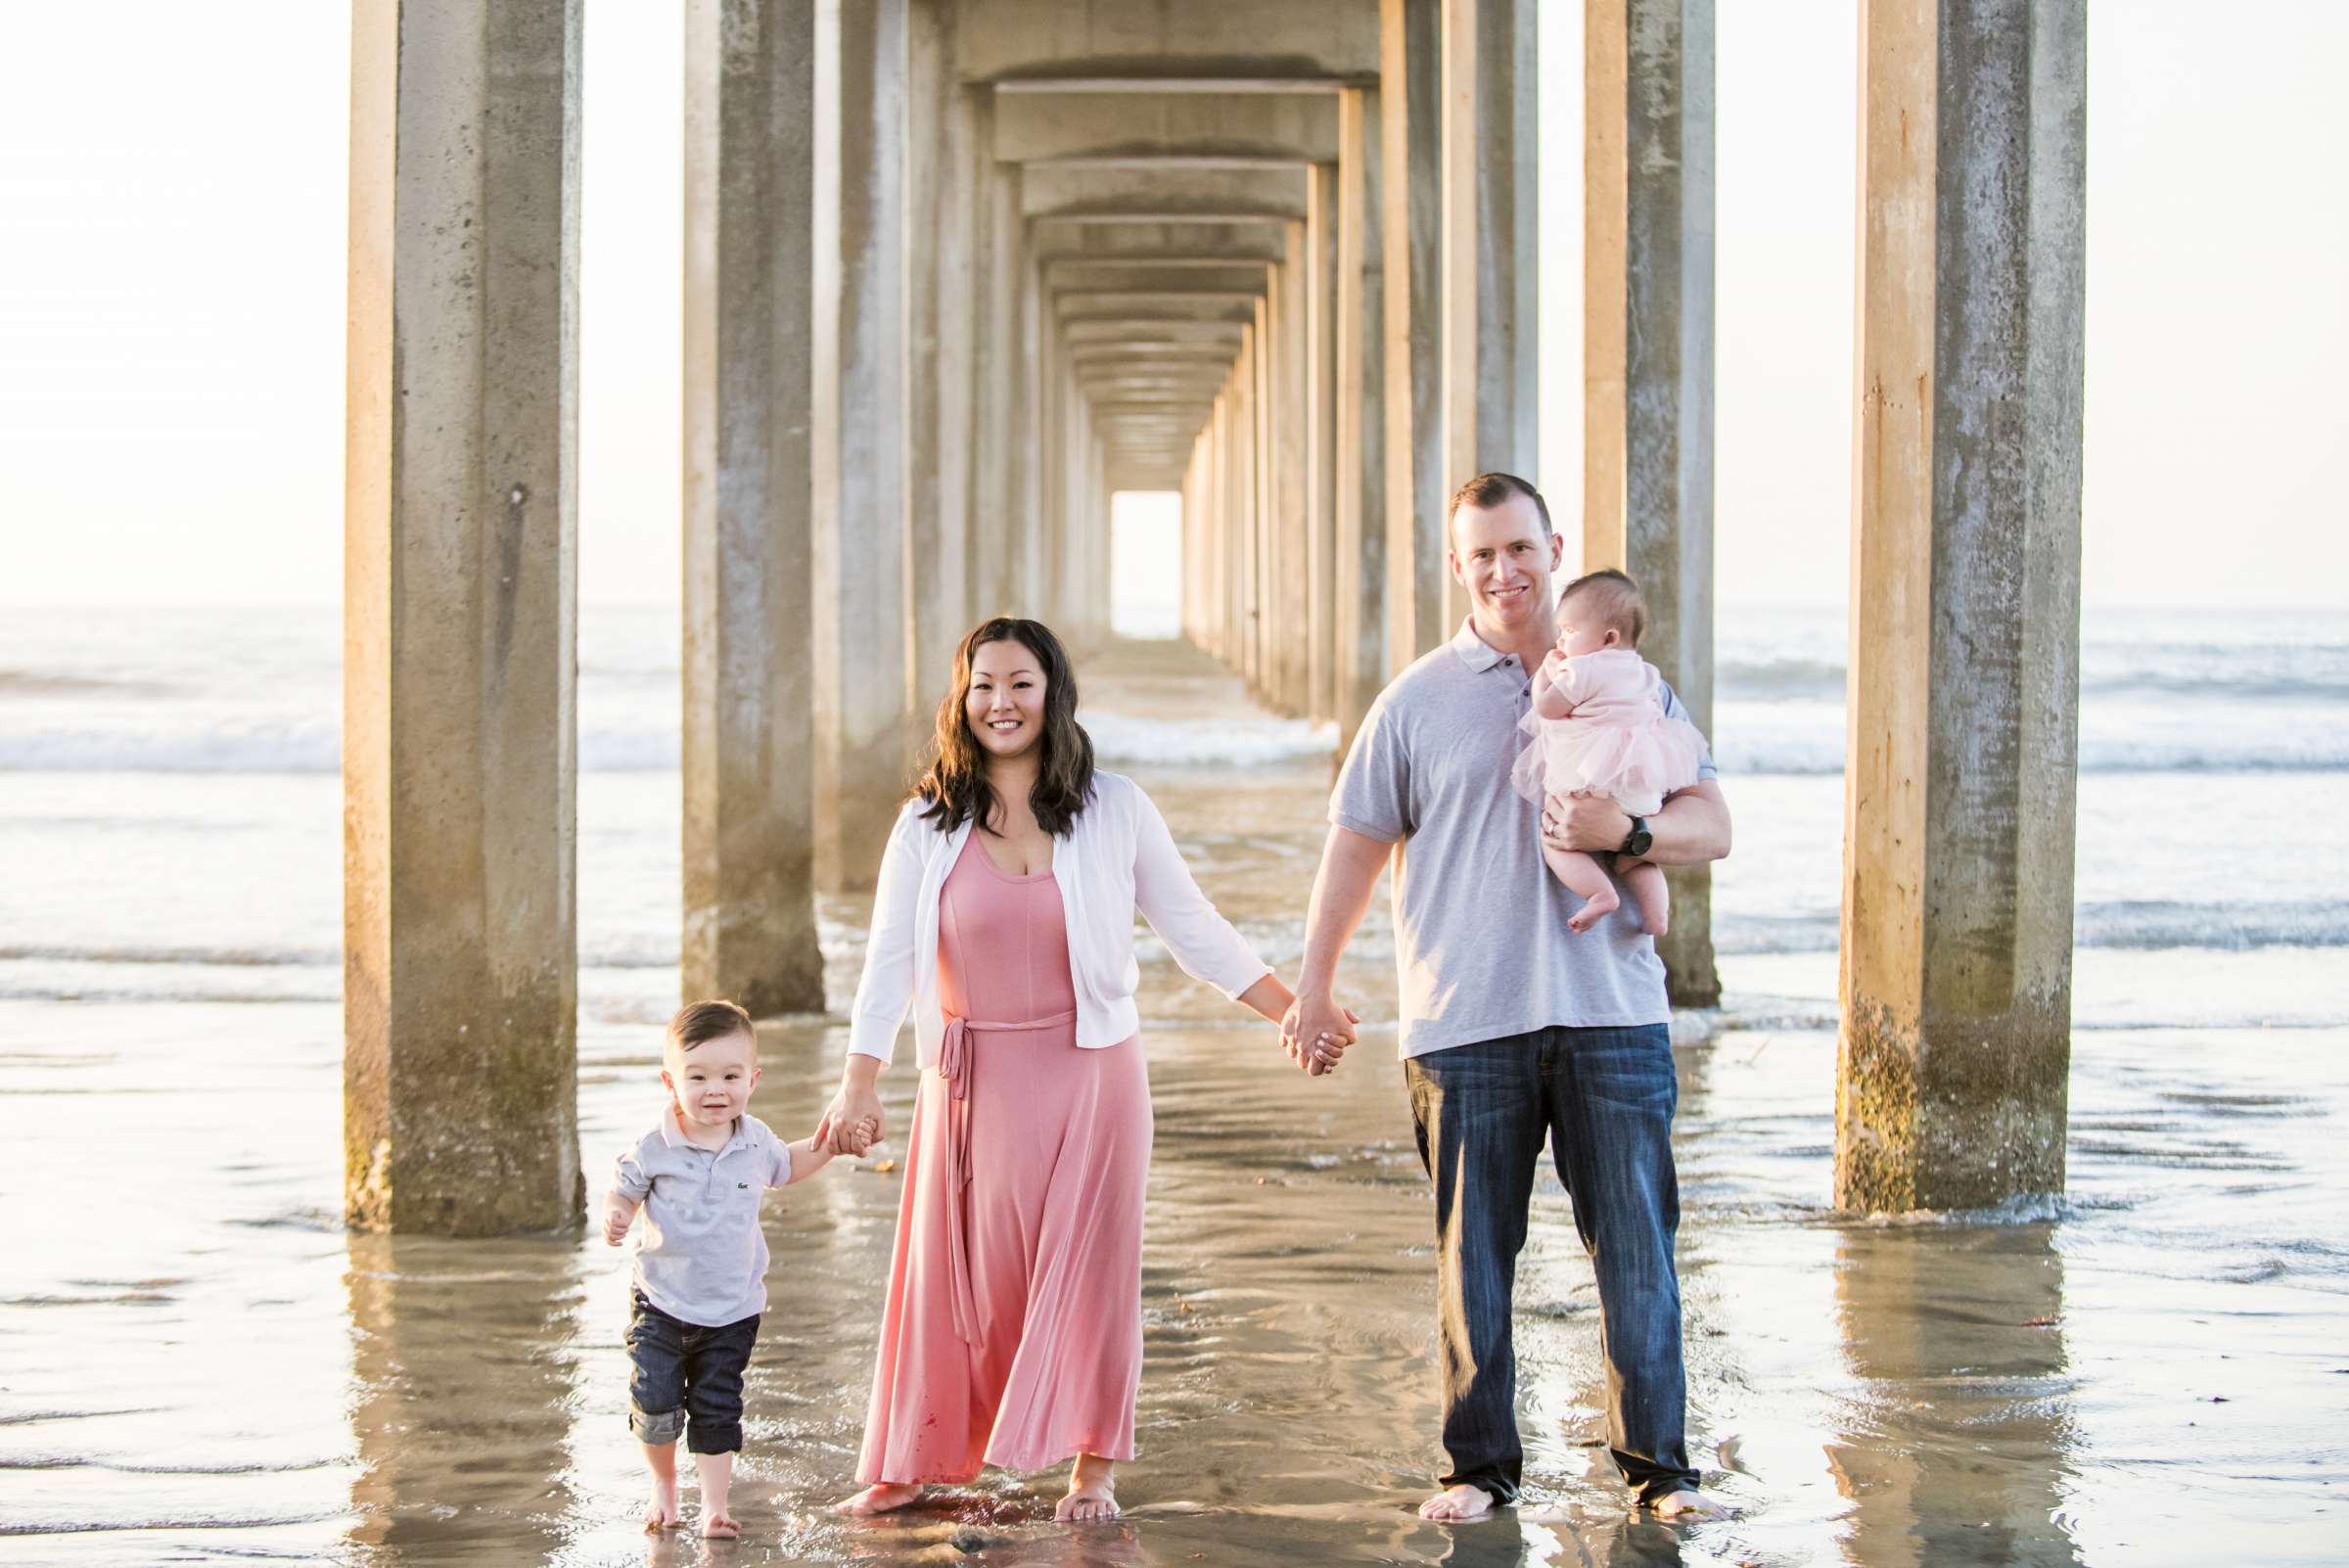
(953, 786)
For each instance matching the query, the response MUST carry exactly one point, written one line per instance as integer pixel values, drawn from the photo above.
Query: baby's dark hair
(1612, 599)
(699, 1023)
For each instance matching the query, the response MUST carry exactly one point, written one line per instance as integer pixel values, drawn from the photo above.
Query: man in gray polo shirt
(1516, 1030)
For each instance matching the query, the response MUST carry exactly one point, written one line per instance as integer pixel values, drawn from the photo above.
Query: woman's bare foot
(1458, 1504)
(718, 1527)
(886, 1498)
(661, 1512)
(1090, 1496)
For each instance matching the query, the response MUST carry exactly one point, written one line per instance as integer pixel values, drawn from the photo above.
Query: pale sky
(171, 281)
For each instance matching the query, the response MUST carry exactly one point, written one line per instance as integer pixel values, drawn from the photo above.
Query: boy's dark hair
(1614, 601)
(699, 1023)
(1489, 490)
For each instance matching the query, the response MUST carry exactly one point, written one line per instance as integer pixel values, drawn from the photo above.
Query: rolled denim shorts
(686, 1379)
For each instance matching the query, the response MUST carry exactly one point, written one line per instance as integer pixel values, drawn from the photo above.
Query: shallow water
(197, 1363)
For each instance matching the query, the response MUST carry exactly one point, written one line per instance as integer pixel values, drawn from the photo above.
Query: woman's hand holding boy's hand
(854, 1107)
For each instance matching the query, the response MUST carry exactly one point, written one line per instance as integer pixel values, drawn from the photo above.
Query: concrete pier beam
(1410, 100)
(864, 611)
(1962, 761)
(1647, 353)
(459, 751)
(749, 785)
(1358, 627)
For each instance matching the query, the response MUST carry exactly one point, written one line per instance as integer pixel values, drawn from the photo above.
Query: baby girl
(1599, 728)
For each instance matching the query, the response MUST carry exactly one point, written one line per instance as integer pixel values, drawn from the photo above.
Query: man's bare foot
(718, 1527)
(886, 1498)
(1457, 1504)
(1593, 909)
(661, 1512)
(1686, 1506)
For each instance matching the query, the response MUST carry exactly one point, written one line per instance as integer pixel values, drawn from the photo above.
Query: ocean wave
(1748, 739)
(2145, 925)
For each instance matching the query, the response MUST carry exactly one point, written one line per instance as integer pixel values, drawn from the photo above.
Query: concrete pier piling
(459, 749)
(1960, 768)
(957, 271)
(1648, 351)
(748, 767)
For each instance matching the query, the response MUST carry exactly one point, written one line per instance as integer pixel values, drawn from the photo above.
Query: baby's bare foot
(718, 1527)
(882, 1499)
(661, 1512)
(1583, 919)
(1463, 1504)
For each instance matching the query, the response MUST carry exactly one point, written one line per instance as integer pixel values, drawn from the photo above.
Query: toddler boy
(701, 1267)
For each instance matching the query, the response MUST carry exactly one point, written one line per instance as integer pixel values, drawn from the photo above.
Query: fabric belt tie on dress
(955, 1066)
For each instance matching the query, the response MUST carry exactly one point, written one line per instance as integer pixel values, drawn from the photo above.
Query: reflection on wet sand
(197, 1364)
(462, 1397)
(1961, 1455)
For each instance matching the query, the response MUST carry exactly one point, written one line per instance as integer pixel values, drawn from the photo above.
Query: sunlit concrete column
(1263, 611)
(459, 749)
(1322, 450)
(1358, 627)
(749, 909)
(997, 449)
(1292, 413)
(1492, 243)
(1028, 440)
(1648, 357)
(1247, 501)
(939, 179)
(1410, 104)
(862, 588)
(1960, 771)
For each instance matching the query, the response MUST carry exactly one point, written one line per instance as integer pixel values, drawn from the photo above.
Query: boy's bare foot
(1583, 919)
(1458, 1504)
(882, 1499)
(718, 1527)
(1686, 1506)
(661, 1513)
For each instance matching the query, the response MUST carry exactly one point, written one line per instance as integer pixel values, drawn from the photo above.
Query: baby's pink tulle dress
(1617, 742)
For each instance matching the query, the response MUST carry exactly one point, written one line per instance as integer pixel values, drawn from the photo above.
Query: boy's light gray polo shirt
(702, 1258)
(1482, 949)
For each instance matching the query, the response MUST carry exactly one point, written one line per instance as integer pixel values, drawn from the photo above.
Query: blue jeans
(1603, 1099)
(684, 1378)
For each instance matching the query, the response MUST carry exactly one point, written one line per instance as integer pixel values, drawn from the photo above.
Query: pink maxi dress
(1013, 1334)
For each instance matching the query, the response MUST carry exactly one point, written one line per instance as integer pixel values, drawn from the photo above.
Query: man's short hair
(1612, 599)
(1489, 490)
(699, 1023)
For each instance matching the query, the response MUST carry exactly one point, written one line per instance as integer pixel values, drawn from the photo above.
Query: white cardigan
(1117, 857)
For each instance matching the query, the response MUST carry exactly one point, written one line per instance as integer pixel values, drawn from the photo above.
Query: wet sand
(197, 1363)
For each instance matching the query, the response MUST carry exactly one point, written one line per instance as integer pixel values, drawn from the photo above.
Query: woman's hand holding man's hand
(1316, 1032)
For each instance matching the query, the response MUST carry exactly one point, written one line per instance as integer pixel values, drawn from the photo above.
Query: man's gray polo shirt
(1482, 949)
(702, 1258)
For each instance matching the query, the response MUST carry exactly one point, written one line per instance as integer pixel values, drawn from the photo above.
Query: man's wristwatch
(1639, 840)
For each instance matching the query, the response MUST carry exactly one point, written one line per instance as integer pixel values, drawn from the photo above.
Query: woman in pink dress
(1004, 918)
(1599, 728)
